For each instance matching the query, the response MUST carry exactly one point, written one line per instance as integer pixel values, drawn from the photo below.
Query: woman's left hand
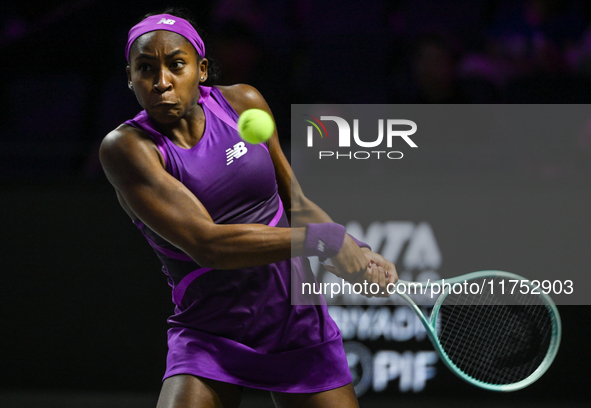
(379, 271)
(386, 266)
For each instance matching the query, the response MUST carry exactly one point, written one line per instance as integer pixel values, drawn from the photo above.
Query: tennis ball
(255, 126)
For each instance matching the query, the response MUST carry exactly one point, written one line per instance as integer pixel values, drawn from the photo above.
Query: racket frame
(430, 327)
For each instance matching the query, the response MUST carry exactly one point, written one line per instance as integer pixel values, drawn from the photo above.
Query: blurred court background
(83, 304)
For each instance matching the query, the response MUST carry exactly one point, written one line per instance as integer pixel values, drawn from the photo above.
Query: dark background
(83, 302)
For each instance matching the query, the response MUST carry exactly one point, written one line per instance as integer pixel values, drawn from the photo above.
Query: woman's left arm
(299, 209)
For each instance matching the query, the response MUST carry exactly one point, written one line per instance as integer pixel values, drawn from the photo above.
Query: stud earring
(202, 78)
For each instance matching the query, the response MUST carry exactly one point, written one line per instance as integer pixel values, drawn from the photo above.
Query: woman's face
(164, 72)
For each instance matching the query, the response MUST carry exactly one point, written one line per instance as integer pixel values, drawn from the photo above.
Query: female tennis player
(218, 213)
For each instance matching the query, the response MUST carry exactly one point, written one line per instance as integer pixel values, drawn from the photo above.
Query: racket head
(506, 355)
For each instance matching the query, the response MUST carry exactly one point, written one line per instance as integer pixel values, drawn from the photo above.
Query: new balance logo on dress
(235, 152)
(166, 21)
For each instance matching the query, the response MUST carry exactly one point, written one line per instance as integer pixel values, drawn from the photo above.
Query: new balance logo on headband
(166, 21)
(235, 152)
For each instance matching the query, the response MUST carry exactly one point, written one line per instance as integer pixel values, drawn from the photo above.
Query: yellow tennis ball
(255, 126)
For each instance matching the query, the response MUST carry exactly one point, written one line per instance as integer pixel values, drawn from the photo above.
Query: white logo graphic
(321, 245)
(166, 21)
(391, 131)
(235, 152)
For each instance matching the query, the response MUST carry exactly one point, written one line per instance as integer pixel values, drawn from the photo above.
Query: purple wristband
(361, 244)
(324, 240)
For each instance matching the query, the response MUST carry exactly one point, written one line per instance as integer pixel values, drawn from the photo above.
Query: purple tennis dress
(238, 326)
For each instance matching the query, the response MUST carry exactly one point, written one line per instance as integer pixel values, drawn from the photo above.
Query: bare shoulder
(127, 145)
(243, 97)
(125, 141)
(122, 138)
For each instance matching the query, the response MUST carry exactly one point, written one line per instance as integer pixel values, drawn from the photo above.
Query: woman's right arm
(133, 166)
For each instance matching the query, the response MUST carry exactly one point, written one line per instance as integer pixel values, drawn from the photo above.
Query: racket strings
(489, 356)
(494, 338)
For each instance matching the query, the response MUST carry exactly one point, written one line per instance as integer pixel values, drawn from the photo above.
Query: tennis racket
(493, 329)
(496, 330)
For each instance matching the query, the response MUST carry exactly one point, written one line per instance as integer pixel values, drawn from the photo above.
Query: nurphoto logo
(388, 129)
